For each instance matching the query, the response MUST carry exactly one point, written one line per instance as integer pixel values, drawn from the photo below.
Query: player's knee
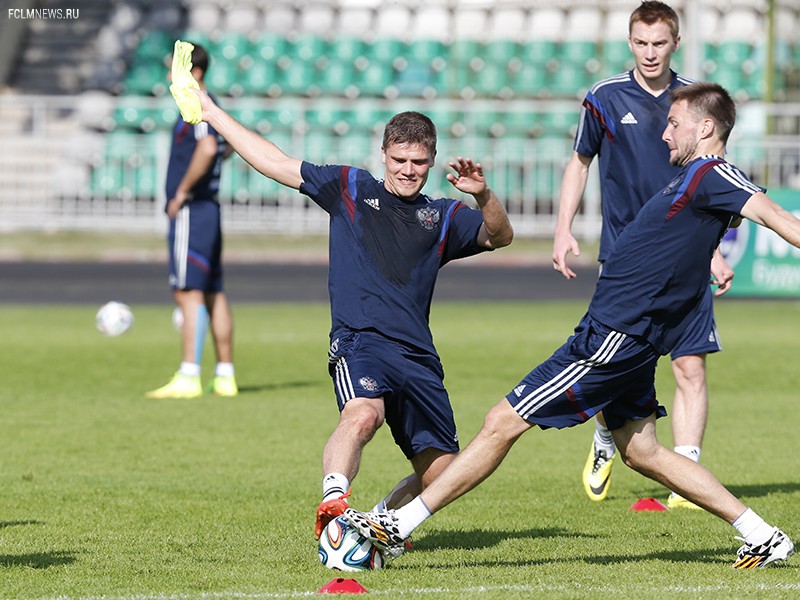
(503, 423)
(362, 419)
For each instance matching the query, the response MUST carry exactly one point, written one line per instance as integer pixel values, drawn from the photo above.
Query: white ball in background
(114, 318)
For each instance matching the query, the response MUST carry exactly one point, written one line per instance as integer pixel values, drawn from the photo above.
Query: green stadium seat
(258, 79)
(230, 48)
(146, 77)
(424, 51)
(308, 48)
(501, 52)
(223, 78)
(616, 57)
(338, 78)
(577, 52)
(347, 49)
(384, 50)
(414, 79)
(732, 52)
(462, 53)
(568, 80)
(268, 47)
(520, 124)
(366, 117)
(297, 78)
(326, 116)
(531, 80)
(375, 78)
(155, 46)
(539, 52)
(493, 80)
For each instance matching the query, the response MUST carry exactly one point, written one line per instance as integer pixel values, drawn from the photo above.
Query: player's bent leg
(641, 451)
(359, 420)
(502, 427)
(689, 413)
(429, 464)
(690, 407)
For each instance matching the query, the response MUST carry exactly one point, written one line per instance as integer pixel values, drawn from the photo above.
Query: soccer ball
(343, 548)
(114, 318)
(177, 319)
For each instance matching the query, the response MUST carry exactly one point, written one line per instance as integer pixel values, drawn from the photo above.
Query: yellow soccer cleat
(180, 386)
(183, 84)
(224, 386)
(678, 501)
(597, 474)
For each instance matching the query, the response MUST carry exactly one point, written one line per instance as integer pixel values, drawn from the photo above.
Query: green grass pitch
(105, 494)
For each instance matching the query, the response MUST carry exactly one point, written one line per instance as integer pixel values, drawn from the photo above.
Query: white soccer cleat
(777, 547)
(380, 528)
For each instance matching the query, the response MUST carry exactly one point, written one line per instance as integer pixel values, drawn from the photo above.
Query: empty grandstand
(86, 112)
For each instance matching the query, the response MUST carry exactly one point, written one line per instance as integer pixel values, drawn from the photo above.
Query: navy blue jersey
(385, 252)
(622, 124)
(184, 140)
(657, 272)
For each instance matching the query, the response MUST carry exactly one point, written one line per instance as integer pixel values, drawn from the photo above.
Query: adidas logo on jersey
(629, 119)
(373, 202)
(519, 389)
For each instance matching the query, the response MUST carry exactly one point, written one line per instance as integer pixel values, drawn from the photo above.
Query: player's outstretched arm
(264, 156)
(763, 210)
(573, 184)
(496, 230)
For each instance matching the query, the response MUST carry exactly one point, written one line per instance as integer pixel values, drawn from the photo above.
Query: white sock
(224, 369)
(411, 516)
(603, 440)
(334, 485)
(752, 528)
(690, 452)
(189, 369)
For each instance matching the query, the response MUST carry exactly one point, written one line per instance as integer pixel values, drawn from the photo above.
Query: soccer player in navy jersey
(621, 123)
(387, 243)
(642, 304)
(195, 252)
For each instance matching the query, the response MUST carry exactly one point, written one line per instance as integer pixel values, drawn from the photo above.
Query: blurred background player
(621, 122)
(387, 244)
(195, 252)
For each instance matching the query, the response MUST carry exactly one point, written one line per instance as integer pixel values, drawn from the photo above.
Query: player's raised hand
(206, 103)
(468, 176)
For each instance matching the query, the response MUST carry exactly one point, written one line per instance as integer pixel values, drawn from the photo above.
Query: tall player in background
(621, 122)
(195, 252)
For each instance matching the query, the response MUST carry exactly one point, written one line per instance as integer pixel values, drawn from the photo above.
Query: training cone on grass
(648, 505)
(340, 585)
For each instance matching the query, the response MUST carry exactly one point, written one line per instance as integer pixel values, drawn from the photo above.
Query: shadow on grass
(757, 490)
(475, 540)
(479, 538)
(4, 524)
(43, 560)
(271, 387)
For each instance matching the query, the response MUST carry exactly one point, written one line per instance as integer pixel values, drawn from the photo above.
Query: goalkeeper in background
(195, 251)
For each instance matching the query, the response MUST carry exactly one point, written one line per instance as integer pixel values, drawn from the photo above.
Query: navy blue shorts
(701, 336)
(596, 369)
(195, 247)
(364, 364)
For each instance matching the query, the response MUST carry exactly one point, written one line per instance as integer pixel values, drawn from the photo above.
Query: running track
(146, 283)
